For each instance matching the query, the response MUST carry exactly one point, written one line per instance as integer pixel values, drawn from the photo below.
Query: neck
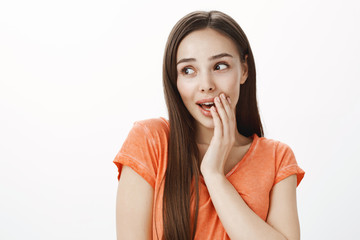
(204, 136)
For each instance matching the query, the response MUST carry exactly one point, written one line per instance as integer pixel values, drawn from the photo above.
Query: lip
(205, 112)
(205, 100)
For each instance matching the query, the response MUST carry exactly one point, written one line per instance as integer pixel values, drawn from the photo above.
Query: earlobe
(245, 71)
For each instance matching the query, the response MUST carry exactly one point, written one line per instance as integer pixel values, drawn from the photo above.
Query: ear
(244, 71)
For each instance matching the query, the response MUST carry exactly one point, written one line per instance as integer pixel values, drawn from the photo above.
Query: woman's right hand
(223, 140)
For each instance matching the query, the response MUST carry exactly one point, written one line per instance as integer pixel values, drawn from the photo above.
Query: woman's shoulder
(283, 158)
(156, 128)
(159, 122)
(273, 145)
(154, 124)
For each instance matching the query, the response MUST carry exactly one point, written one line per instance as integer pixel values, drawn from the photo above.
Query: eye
(187, 71)
(221, 66)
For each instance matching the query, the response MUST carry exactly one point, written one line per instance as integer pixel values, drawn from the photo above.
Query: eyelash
(184, 70)
(222, 63)
(216, 65)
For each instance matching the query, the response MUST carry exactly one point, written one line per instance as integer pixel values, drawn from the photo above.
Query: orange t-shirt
(265, 163)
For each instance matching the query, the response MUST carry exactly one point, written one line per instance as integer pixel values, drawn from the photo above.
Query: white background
(75, 75)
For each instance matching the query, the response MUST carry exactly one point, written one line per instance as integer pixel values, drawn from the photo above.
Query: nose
(206, 83)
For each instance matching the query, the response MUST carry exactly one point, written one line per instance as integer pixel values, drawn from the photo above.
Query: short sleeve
(139, 152)
(286, 164)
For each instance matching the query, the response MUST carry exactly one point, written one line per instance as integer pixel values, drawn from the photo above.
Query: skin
(220, 143)
(201, 76)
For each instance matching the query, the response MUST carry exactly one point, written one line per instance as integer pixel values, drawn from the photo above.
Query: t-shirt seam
(152, 134)
(148, 133)
(164, 120)
(287, 167)
(249, 155)
(152, 141)
(275, 155)
(145, 127)
(137, 162)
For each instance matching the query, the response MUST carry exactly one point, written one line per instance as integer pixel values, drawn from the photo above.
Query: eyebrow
(221, 55)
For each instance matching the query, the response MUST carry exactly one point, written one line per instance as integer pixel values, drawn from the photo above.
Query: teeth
(208, 103)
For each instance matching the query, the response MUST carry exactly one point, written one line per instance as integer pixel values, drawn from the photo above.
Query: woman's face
(208, 64)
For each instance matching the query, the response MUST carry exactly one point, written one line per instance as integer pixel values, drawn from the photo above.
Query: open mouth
(206, 106)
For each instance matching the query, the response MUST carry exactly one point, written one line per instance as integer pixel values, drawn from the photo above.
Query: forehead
(205, 43)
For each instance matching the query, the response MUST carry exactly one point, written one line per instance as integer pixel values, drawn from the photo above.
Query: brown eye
(187, 71)
(221, 66)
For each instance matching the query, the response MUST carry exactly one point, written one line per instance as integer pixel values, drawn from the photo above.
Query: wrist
(214, 174)
(212, 170)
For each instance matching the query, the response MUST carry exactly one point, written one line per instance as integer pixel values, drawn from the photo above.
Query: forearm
(239, 221)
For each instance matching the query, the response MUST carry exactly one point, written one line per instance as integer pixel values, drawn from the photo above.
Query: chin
(206, 122)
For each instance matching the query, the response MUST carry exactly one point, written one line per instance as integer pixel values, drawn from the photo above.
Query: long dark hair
(183, 155)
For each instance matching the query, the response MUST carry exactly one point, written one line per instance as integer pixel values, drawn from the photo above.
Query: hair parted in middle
(181, 189)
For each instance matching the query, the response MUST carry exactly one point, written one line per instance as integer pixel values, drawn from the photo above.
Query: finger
(230, 113)
(224, 115)
(231, 109)
(232, 116)
(220, 109)
(227, 107)
(228, 125)
(217, 123)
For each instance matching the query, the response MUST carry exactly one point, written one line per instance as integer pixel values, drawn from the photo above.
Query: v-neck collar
(244, 158)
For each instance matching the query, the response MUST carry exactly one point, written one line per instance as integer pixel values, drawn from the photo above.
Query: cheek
(185, 90)
(232, 87)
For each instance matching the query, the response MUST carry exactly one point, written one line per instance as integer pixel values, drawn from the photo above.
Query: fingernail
(217, 99)
(223, 96)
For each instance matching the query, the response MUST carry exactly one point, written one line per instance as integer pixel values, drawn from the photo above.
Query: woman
(208, 172)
